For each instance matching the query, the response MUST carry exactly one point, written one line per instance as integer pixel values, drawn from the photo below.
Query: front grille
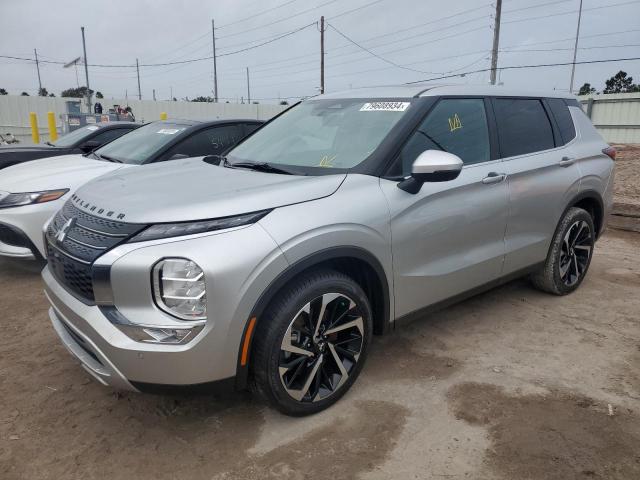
(86, 238)
(10, 236)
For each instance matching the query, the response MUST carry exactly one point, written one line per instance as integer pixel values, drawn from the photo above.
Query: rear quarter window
(523, 126)
(561, 113)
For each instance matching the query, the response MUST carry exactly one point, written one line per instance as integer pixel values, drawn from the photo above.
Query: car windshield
(76, 136)
(322, 133)
(139, 145)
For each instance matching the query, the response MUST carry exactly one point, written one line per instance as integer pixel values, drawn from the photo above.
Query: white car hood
(66, 171)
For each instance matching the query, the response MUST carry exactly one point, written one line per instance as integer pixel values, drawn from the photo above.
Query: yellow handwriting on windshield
(327, 161)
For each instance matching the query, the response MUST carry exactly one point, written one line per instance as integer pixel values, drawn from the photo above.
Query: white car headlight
(179, 288)
(28, 198)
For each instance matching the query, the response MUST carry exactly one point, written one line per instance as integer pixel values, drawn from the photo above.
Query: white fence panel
(14, 112)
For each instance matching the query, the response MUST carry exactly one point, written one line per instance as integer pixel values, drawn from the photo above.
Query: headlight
(28, 198)
(179, 288)
(166, 230)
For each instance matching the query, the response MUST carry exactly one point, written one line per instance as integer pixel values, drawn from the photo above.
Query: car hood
(191, 189)
(6, 149)
(66, 171)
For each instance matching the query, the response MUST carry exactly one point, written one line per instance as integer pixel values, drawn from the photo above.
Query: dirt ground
(627, 179)
(512, 384)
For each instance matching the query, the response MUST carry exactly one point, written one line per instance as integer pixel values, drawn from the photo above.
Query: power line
(178, 62)
(381, 36)
(569, 49)
(256, 14)
(572, 11)
(373, 53)
(517, 67)
(284, 19)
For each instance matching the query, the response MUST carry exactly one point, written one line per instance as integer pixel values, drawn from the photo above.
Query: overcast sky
(423, 38)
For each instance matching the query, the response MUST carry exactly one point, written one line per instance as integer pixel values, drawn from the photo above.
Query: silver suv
(339, 219)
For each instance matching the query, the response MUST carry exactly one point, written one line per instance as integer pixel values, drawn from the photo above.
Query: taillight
(610, 152)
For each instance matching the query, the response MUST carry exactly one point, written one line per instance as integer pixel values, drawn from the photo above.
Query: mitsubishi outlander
(341, 218)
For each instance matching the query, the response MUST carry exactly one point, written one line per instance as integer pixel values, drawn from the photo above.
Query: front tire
(311, 342)
(569, 256)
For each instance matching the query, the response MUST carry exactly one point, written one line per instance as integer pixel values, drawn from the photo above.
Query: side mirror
(432, 166)
(90, 145)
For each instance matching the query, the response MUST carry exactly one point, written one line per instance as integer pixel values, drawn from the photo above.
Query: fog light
(165, 335)
(179, 288)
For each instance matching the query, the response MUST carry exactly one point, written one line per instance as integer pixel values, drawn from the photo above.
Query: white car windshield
(139, 145)
(323, 133)
(76, 136)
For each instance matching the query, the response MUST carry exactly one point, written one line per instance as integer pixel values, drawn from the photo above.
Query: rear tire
(311, 342)
(569, 256)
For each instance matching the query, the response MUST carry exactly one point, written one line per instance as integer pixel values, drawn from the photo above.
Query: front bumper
(115, 359)
(26, 224)
(14, 243)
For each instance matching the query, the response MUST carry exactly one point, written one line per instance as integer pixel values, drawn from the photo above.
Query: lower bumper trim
(88, 354)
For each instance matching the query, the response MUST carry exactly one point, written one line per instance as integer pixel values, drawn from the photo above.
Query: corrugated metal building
(616, 115)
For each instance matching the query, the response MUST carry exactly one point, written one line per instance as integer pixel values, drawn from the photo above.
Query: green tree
(79, 92)
(43, 92)
(24, 94)
(99, 94)
(3, 92)
(284, 102)
(203, 99)
(586, 89)
(621, 83)
(52, 94)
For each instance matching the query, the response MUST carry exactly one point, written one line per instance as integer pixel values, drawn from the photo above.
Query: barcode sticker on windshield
(168, 131)
(384, 107)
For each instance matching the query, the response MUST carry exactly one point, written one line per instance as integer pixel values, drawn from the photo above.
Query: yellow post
(35, 134)
(163, 115)
(53, 132)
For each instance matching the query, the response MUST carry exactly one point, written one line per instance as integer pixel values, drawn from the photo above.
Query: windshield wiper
(109, 159)
(260, 167)
(103, 157)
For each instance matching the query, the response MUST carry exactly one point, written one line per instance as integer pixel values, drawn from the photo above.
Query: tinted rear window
(523, 126)
(563, 118)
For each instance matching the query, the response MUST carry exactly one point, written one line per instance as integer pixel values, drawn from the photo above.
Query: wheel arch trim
(589, 194)
(317, 258)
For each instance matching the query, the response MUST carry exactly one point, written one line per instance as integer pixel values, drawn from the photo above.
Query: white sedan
(32, 192)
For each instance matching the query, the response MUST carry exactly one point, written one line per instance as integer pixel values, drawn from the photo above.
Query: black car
(82, 140)
(174, 139)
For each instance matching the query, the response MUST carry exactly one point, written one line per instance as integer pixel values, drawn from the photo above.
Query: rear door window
(523, 126)
(457, 126)
(250, 128)
(109, 135)
(211, 141)
(563, 119)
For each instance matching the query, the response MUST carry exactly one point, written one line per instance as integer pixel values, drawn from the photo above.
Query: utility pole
(86, 70)
(575, 49)
(322, 54)
(171, 90)
(215, 71)
(248, 89)
(38, 69)
(138, 72)
(496, 42)
(154, 94)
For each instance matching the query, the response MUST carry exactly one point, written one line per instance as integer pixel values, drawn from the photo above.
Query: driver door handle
(566, 161)
(494, 177)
